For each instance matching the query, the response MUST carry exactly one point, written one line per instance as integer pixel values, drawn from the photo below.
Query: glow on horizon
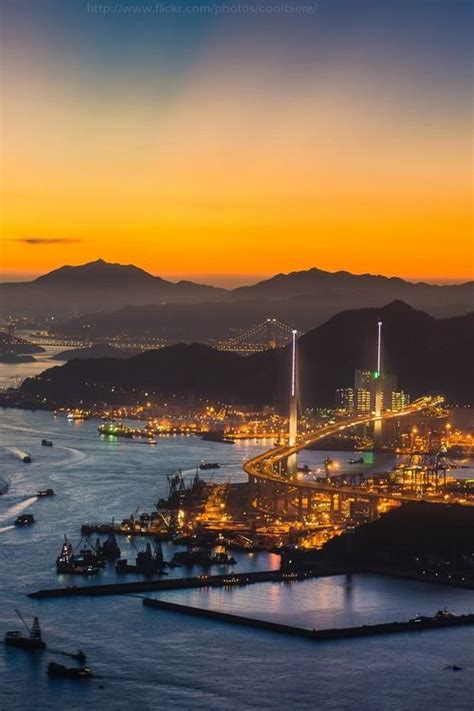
(346, 168)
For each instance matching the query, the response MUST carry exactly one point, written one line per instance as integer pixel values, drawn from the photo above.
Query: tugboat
(45, 492)
(209, 465)
(32, 643)
(46, 443)
(24, 520)
(59, 670)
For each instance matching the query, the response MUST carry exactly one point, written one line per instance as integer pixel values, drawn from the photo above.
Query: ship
(32, 643)
(86, 562)
(109, 549)
(148, 562)
(59, 670)
(113, 429)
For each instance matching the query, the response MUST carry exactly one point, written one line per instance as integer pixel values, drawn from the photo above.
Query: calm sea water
(149, 659)
(12, 374)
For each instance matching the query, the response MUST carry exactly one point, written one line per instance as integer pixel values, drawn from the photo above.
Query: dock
(321, 635)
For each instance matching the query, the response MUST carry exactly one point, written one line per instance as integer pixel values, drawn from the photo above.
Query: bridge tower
(378, 434)
(292, 466)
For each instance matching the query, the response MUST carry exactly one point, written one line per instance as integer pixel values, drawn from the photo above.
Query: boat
(34, 641)
(109, 549)
(26, 459)
(118, 429)
(45, 492)
(150, 440)
(24, 520)
(59, 670)
(86, 562)
(444, 614)
(46, 443)
(209, 465)
(356, 461)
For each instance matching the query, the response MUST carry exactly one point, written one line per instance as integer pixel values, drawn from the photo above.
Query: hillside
(428, 355)
(100, 294)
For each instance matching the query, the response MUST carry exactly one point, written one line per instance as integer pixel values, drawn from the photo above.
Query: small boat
(24, 520)
(150, 440)
(444, 614)
(46, 443)
(32, 643)
(59, 670)
(356, 461)
(45, 492)
(26, 459)
(209, 465)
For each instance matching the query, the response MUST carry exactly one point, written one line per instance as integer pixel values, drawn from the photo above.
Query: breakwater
(199, 581)
(428, 623)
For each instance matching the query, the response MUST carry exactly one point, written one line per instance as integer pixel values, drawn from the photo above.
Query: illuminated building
(363, 400)
(345, 399)
(400, 400)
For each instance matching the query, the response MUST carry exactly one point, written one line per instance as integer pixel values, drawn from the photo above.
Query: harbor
(138, 475)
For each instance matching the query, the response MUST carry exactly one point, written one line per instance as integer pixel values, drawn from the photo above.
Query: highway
(264, 466)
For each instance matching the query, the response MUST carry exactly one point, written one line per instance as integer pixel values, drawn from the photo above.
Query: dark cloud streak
(46, 240)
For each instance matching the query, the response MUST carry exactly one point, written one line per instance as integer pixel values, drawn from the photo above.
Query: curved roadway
(263, 465)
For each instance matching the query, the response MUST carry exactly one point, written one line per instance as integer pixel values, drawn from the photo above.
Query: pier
(422, 624)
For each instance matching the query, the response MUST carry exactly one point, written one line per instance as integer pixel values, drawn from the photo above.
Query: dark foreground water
(149, 659)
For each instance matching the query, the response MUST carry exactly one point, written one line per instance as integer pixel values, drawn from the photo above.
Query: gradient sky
(207, 144)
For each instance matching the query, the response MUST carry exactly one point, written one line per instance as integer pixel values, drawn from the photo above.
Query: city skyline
(205, 144)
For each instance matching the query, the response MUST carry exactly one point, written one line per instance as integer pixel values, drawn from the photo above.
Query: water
(12, 374)
(154, 659)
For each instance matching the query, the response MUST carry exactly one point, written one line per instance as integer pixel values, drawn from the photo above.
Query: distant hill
(96, 350)
(86, 294)
(96, 286)
(429, 356)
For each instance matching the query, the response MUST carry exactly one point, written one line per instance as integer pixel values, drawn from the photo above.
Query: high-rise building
(363, 400)
(382, 384)
(345, 399)
(400, 400)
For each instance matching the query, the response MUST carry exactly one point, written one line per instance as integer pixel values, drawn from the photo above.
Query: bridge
(269, 334)
(271, 481)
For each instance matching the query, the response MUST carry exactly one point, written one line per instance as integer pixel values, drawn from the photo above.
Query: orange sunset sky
(211, 147)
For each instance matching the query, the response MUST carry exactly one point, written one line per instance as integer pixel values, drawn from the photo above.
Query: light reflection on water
(153, 659)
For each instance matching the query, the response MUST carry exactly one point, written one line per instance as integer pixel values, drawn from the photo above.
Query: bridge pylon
(292, 464)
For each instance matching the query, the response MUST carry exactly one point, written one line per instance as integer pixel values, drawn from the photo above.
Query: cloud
(46, 240)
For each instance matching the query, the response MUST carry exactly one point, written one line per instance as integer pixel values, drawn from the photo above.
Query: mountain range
(428, 355)
(114, 299)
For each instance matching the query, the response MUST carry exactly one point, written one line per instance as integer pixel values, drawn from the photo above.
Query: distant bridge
(269, 334)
